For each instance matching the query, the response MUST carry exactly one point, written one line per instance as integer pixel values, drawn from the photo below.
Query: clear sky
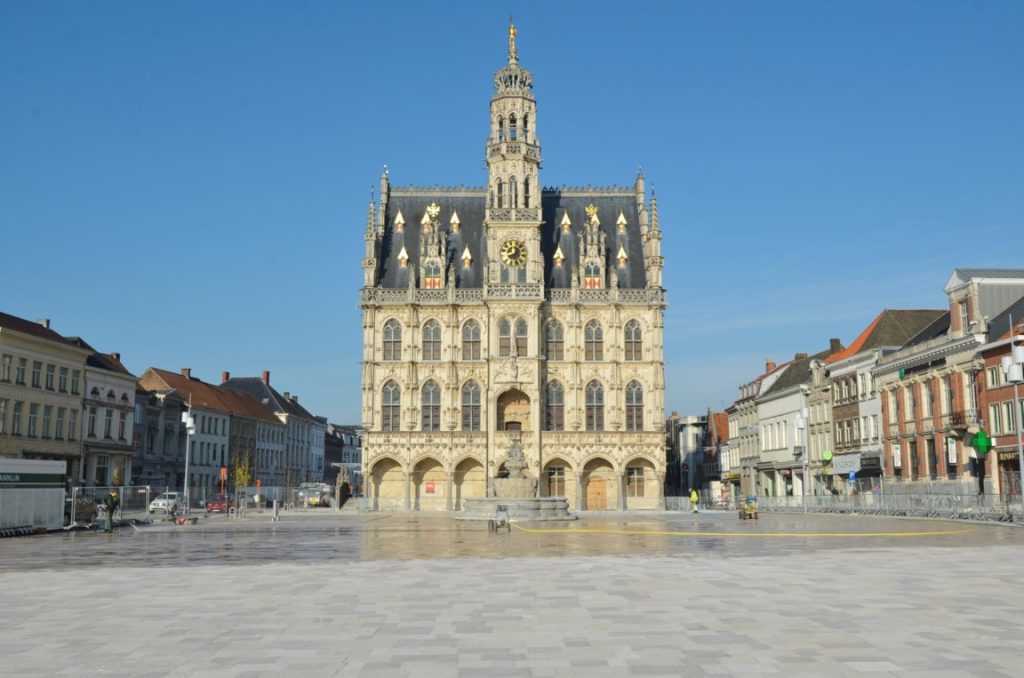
(186, 183)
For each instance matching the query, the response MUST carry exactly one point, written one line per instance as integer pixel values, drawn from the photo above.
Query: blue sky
(186, 182)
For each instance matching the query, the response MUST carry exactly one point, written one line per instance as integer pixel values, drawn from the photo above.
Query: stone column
(661, 491)
(579, 491)
(448, 493)
(622, 491)
(408, 489)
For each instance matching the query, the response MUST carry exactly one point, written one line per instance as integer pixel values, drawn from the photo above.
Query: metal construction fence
(86, 503)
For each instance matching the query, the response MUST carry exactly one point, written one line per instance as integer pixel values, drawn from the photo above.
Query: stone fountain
(518, 493)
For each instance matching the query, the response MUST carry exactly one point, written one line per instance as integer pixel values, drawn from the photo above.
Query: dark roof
(470, 206)
(268, 395)
(798, 372)
(13, 322)
(107, 362)
(999, 326)
(890, 328)
(937, 328)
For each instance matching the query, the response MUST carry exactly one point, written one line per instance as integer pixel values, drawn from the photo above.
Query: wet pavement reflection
(323, 536)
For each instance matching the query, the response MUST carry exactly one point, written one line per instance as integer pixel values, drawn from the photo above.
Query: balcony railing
(960, 419)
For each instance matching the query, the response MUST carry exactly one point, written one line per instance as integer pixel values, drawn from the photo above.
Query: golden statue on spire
(512, 56)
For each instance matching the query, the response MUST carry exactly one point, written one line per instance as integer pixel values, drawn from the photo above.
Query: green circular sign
(826, 455)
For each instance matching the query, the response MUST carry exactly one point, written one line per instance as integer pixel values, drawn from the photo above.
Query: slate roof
(267, 395)
(890, 328)
(999, 326)
(962, 275)
(798, 372)
(470, 205)
(13, 322)
(937, 328)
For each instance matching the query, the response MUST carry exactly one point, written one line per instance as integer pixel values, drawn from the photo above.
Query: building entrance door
(597, 494)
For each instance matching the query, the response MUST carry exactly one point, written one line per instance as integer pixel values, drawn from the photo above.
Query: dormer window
(559, 257)
(467, 258)
(592, 276)
(620, 223)
(403, 258)
(432, 275)
(455, 222)
(621, 256)
(399, 222)
(566, 224)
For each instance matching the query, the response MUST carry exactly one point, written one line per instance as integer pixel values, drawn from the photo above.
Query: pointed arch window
(512, 127)
(501, 128)
(431, 340)
(471, 406)
(592, 276)
(554, 407)
(471, 340)
(526, 127)
(513, 192)
(392, 340)
(634, 341)
(554, 341)
(431, 408)
(391, 405)
(634, 406)
(500, 192)
(526, 192)
(595, 406)
(512, 332)
(593, 337)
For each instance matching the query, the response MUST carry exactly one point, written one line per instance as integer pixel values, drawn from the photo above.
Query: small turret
(370, 240)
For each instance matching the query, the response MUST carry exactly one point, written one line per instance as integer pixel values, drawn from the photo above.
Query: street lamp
(1013, 370)
(801, 427)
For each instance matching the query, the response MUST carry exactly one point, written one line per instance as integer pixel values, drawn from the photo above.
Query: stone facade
(513, 314)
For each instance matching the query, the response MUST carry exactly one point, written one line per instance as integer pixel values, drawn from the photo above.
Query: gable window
(431, 406)
(391, 402)
(431, 340)
(634, 341)
(965, 322)
(595, 406)
(392, 340)
(471, 406)
(592, 276)
(554, 410)
(593, 337)
(432, 275)
(555, 341)
(634, 406)
(471, 340)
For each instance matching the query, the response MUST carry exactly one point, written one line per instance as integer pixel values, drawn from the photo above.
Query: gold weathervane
(433, 210)
(512, 57)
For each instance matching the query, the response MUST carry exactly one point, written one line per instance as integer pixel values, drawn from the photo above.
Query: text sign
(429, 487)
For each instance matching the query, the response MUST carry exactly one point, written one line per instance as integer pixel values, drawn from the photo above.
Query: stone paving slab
(940, 606)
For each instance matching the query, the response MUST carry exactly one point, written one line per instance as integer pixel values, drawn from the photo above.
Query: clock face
(513, 253)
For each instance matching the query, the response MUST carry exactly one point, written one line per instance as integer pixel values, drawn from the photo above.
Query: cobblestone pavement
(322, 594)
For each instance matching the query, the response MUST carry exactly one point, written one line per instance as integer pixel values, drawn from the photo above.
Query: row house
(998, 399)
(302, 444)
(856, 408)
(784, 466)
(160, 438)
(342, 447)
(716, 450)
(60, 400)
(819, 413)
(744, 434)
(930, 386)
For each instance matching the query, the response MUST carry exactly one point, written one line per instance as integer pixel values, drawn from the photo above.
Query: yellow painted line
(801, 535)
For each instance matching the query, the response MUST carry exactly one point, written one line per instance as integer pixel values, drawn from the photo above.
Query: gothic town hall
(513, 315)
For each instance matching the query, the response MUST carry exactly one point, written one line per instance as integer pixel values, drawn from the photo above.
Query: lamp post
(190, 428)
(1013, 369)
(801, 427)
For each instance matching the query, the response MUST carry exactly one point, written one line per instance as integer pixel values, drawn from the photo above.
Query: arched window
(592, 276)
(593, 337)
(513, 192)
(510, 329)
(595, 406)
(431, 406)
(471, 340)
(526, 127)
(431, 340)
(501, 128)
(471, 406)
(501, 194)
(512, 127)
(554, 407)
(110, 394)
(554, 347)
(392, 340)
(634, 341)
(634, 406)
(432, 275)
(391, 405)
(526, 192)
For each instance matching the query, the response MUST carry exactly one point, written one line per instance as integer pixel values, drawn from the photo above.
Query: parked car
(168, 502)
(219, 503)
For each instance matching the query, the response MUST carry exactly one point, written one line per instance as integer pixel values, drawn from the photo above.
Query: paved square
(639, 595)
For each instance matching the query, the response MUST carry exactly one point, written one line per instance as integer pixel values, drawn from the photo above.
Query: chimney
(45, 322)
(769, 365)
(287, 395)
(116, 356)
(224, 376)
(295, 398)
(799, 356)
(186, 372)
(834, 345)
(266, 377)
